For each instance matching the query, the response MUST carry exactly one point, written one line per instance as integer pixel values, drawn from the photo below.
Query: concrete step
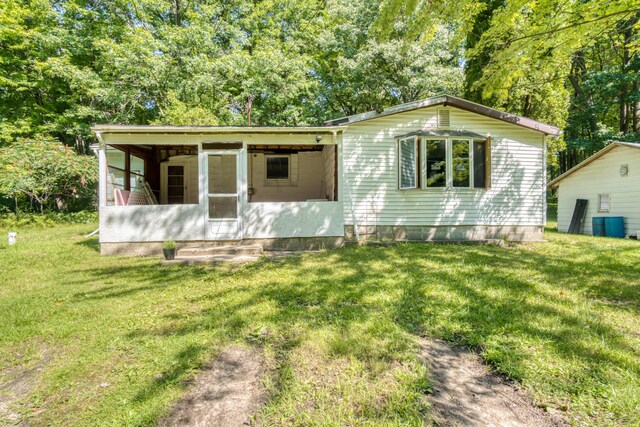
(220, 251)
(211, 259)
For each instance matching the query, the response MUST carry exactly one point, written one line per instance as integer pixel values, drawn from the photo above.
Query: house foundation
(458, 233)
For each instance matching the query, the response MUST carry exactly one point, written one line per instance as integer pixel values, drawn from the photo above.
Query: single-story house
(441, 168)
(609, 181)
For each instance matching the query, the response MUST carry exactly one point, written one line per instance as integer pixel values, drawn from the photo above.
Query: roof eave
(553, 184)
(142, 129)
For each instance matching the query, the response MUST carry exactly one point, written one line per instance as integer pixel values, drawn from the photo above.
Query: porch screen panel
(222, 207)
(222, 187)
(408, 163)
(136, 166)
(222, 174)
(436, 163)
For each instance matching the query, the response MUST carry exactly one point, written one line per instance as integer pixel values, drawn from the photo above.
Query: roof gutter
(212, 130)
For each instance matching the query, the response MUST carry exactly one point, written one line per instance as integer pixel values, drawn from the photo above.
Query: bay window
(449, 162)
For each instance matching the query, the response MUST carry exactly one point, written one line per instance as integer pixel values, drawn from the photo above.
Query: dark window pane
(175, 170)
(460, 164)
(175, 185)
(277, 167)
(408, 163)
(479, 165)
(436, 163)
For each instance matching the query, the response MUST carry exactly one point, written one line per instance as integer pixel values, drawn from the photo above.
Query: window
(603, 203)
(408, 163)
(461, 155)
(456, 162)
(436, 163)
(480, 164)
(277, 167)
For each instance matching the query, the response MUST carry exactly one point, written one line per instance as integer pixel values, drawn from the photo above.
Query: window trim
(266, 167)
(608, 202)
(417, 163)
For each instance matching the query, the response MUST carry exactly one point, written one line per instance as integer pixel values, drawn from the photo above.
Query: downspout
(347, 188)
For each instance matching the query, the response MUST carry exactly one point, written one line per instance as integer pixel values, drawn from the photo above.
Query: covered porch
(217, 185)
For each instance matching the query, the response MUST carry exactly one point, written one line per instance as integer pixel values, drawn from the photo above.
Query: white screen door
(223, 196)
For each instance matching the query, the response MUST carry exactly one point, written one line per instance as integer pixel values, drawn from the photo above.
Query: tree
(359, 72)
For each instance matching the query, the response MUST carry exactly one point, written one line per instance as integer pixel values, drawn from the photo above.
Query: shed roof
(453, 101)
(554, 183)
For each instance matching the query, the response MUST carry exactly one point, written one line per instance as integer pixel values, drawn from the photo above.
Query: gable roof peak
(449, 100)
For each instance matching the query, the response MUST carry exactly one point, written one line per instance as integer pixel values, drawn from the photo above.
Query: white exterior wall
(516, 196)
(121, 224)
(602, 176)
(154, 223)
(294, 219)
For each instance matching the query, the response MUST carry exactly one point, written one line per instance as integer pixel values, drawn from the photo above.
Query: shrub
(48, 219)
(47, 173)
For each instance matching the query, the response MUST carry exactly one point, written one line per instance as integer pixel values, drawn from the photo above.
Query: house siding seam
(602, 176)
(516, 196)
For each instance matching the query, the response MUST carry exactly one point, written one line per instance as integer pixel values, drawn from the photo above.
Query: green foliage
(360, 73)
(46, 172)
(50, 219)
(563, 63)
(169, 244)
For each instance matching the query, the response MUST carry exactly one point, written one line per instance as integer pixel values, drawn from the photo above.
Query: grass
(115, 337)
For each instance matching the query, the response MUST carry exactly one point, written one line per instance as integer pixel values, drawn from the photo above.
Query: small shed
(610, 182)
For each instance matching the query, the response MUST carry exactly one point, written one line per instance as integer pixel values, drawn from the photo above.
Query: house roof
(453, 101)
(146, 129)
(554, 183)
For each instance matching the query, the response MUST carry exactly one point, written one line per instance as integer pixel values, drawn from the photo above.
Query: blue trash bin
(614, 226)
(597, 225)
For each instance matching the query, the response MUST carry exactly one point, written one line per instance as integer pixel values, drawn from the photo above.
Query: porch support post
(102, 172)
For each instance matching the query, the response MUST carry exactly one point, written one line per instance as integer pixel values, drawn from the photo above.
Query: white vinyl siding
(517, 192)
(602, 177)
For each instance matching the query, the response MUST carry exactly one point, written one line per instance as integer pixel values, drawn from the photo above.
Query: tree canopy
(67, 64)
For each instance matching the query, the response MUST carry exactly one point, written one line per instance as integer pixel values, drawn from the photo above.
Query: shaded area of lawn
(559, 317)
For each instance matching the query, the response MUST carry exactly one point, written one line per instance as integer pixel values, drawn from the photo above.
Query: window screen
(436, 163)
(603, 202)
(277, 167)
(408, 163)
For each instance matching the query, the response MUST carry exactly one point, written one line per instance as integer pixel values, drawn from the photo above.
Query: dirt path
(225, 394)
(15, 384)
(466, 393)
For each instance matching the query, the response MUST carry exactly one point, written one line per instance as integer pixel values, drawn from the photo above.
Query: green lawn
(561, 318)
